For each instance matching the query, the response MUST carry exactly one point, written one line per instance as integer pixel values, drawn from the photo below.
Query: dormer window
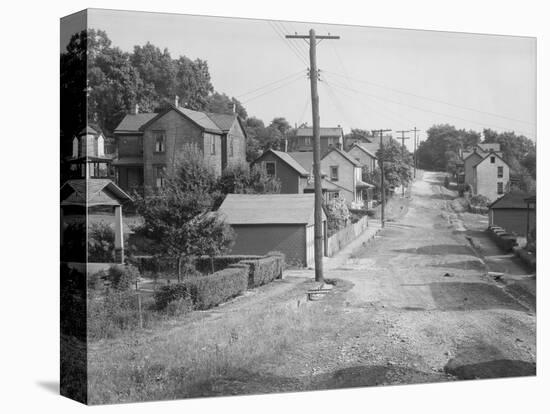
(75, 147)
(159, 137)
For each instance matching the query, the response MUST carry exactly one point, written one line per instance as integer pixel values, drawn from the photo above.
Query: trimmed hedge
(206, 291)
(264, 270)
(204, 264)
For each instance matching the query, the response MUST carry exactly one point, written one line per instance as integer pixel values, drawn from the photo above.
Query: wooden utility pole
(381, 164)
(403, 138)
(314, 77)
(415, 147)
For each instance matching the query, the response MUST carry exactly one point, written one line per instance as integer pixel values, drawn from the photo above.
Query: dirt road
(413, 305)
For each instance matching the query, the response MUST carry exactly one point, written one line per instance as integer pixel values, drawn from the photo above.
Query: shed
(513, 213)
(273, 222)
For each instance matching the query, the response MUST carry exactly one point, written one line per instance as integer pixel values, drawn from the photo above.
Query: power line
(272, 90)
(428, 110)
(271, 83)
(433, 99)
(281, 36)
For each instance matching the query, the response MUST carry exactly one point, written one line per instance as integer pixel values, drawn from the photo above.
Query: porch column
(119, 236)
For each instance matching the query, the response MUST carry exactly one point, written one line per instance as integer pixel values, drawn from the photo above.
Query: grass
(172, 363)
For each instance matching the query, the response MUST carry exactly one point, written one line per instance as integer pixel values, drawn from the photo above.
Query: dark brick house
(148, 143)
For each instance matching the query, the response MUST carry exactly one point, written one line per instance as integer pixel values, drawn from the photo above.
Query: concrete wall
(513, 220)
(486, 178)
(260, 239)
(469, 172)
(346, 174)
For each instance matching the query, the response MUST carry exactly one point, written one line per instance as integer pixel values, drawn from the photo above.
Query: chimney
(136, 109)
(176, 100)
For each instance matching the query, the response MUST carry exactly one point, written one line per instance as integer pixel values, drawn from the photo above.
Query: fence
(338, 241)
(478, 209)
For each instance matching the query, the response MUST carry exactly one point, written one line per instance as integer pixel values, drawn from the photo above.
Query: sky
(371, 78)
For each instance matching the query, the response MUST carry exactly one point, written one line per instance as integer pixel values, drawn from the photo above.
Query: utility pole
(415, 147)
(381, 164)
(314, 77)
(403, 138)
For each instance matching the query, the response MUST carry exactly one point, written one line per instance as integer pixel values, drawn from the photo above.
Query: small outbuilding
(273, 222)
(513, 213)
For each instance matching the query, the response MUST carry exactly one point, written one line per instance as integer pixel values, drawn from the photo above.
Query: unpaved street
(413, 305)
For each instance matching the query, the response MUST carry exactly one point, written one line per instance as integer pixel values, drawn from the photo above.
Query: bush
(337, 214)
(101, 243)
(211, 290)
(122, 277)
(178, 307)
(479, 200)
(265, 270)
(170, 293)
(204, 265)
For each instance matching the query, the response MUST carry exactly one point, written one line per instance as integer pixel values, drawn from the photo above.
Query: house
(329, 138)
(273, 222)
(293, 177)
(345, 172)
(148, 143)
(88, 159)
(364, 156)
(515, 212)
(491, 176)
(470, 160)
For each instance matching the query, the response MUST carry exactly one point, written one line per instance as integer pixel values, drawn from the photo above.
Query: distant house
(293, 177)
(364, 156)
(491, 176)
(273, 222)
(471, 159)
(88, 159)
(147, 143)
(345, 172)
(329, 138)
(515, 212)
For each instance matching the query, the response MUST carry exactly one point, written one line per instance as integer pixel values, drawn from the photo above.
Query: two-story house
(364, 156)
(491, 176)
(329, 138)
(149, 143)
(293, 177)
(345, 171)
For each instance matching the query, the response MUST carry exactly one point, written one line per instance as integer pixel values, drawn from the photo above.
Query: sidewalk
(340, 258)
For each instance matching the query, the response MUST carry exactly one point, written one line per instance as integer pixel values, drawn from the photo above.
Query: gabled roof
(492, 153)
(513, 199)
(363, 148)
(92, 192)
(324, 132)
(133, 122)
(223, 121)
(286, 158)
(493, 146)
(345, 155)
(374, 146)
(88, 131)
(268, 209)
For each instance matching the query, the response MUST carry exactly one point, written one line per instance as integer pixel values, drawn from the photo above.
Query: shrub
(479, 200)
(264, 270)
(122, 277)
(181, 306)
(211, 290)
(170, 293)
(204, 265)
(337, 214)
(101, 243)
(96, 280)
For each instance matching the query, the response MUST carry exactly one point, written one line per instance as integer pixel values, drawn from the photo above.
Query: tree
(241, 179)
(397, 164)
(222, 104)
(178, 217)
(337, 213)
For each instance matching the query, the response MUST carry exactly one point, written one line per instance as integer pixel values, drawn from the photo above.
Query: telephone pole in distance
(381, 164)
(415, 147)
(403, 138)
(314, 77)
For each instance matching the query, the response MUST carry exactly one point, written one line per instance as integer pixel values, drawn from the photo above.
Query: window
(231, 148)
(159, 137)
(336, 194)
(334, 173)
(307, 141)
(492, 160)
(500, 172)
(500, 188)
(270, 168)
(159, 175)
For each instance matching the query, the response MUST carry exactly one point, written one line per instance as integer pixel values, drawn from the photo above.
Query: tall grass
(174, 364)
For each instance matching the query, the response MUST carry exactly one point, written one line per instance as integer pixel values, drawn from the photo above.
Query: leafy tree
(241, 179)
(222, 104)
(178, 217)
(338, 214)
(397, 164)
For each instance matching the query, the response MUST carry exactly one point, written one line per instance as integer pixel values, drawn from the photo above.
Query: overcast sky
(371, 78)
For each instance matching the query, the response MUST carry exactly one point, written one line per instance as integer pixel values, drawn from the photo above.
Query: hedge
(204, 263)
(264, 270)
(206, 291)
